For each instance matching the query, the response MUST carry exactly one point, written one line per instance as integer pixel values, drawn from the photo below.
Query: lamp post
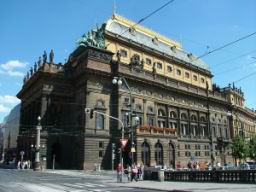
(119, 81)
(37, 158)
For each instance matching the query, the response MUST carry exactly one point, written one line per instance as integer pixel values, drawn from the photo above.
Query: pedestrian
(134, 173)
(142, 171)
(18, 165)
(128, 172)
(119, 171)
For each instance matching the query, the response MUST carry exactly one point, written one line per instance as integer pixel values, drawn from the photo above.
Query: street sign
(123, 142)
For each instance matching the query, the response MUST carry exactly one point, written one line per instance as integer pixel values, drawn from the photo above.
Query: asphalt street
(14, 180)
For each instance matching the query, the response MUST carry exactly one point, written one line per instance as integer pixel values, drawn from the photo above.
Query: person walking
(119, 171)
(134, 173)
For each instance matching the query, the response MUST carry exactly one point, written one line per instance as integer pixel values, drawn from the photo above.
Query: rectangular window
(178, 72)
(99, 121)
(194, 77)
(100, 153)
(148, 61)
(101, 144)
(123, 53)
(159, 65)
(187, 75)
(169, 68)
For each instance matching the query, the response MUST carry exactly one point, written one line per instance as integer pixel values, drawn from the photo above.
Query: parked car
(244, 166)
(252, 165)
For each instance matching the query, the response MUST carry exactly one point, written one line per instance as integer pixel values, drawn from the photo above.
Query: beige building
(182, 116)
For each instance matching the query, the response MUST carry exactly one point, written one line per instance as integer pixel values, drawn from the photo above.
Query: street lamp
(119, 81)
(37, 158)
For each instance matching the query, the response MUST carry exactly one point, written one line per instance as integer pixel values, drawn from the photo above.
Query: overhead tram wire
(234, 58)
(226, 45)
(233, 69)
(144, 18)
(245, 77)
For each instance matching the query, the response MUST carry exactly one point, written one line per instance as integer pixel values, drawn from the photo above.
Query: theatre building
(181, 115)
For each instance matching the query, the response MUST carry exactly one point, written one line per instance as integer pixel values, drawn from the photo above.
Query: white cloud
(4, 109)
(9, 66)
(12, 64)
(8, 99)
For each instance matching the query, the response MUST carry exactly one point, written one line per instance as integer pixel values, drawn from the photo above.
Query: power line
(234, 58)
(226, 45)
(245, 77)
(233, 69)
(144, 18)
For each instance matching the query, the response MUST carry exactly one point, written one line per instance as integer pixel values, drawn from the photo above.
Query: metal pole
(130, 117)
(122, 125)
(37, 158)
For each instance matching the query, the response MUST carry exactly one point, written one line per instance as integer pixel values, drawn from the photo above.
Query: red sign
(123, 142)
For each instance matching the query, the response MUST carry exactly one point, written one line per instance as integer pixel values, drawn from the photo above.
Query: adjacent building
(182, 116)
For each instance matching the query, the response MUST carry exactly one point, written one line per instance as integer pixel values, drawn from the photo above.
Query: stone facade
(181, 118)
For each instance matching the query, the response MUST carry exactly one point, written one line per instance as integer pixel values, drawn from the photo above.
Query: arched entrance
(171, 155)
(159, 154)
(145, 153)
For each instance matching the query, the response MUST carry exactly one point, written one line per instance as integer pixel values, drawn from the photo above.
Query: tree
(252, 148)
(240, 148)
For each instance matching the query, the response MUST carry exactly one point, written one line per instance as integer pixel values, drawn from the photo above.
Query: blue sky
(29, 27)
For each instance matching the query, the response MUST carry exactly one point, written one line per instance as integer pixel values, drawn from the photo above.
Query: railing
(228, 176)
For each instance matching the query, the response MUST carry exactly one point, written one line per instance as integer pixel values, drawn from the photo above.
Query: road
(14, 180)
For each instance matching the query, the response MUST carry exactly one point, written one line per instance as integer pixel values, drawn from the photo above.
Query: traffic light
(91, 114)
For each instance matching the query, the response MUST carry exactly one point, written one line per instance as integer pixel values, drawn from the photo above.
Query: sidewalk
(156, 185)
(188, 186)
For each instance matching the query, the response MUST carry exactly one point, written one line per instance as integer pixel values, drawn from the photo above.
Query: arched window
(184, 116)
(150, 109)
(159, 154)
(100, 104)
(145, 153)
(161, 112)
(202, 119)
(138, 107)
(99, 121)
(193, 118)
(173, 114)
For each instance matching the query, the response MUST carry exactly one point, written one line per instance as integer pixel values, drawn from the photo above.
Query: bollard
(161, 175)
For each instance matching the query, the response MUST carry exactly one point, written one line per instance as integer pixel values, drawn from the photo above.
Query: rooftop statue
(44, 57)
(51, 56)
(31, 71)
(94, 38)
(39, 62)
(35, 67)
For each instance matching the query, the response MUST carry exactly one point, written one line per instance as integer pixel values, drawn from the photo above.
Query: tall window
(145, 154)
(171, 155)
(159, 154)
(150, 121)
(100, 121)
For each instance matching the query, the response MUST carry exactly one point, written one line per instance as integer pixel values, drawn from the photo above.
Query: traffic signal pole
(91, 112)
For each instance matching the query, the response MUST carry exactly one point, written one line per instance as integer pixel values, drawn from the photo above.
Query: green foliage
(240, 149)
(252, 147)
